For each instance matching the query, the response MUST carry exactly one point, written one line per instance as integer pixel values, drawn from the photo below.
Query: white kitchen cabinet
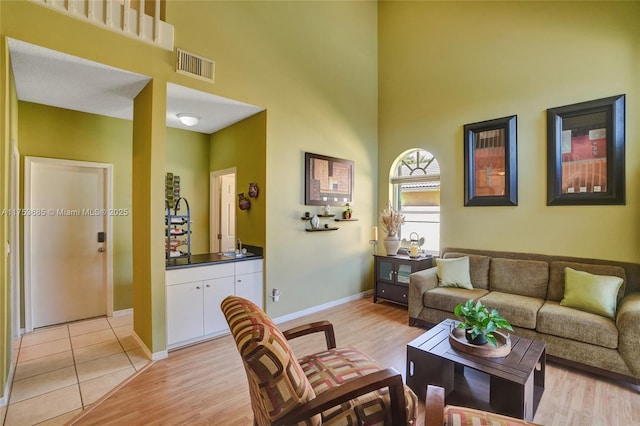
(194, 295)
(183, 321)
(214, 293)
(248, 275)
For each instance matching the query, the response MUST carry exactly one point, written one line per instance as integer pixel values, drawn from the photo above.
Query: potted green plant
(479, 323)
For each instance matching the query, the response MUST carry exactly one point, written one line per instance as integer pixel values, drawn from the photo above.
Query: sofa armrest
(628, 323)
(419, 283)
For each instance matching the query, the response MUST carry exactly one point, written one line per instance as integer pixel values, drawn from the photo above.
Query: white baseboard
(153, 356)
(123, 312)
(4, 401)
(318, 308)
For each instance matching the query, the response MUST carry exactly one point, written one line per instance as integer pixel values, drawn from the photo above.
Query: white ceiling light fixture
(188, 119)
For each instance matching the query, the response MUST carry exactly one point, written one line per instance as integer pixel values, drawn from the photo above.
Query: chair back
(277, 383)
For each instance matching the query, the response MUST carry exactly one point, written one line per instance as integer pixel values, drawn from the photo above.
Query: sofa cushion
(454, 272)
(591, 293)
(523, 277)
(446, 298)
(328, 369)
(478, 268)
(556, 276)
(569, 323)
(520, 311)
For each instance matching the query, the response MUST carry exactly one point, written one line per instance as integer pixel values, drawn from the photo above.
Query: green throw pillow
(591, 293)
(454, 272)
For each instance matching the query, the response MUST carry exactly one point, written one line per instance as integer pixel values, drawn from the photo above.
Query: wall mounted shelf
(346, 220)
(322, 229)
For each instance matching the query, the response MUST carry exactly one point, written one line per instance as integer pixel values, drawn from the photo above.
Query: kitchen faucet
(239, 245)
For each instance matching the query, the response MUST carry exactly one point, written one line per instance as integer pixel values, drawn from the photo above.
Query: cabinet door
(386, 270)
(184, 312)
(249, 286)
(214, 292)
(403, 270)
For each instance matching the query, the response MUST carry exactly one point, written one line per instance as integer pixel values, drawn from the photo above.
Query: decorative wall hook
(253, 190)
(243, 202)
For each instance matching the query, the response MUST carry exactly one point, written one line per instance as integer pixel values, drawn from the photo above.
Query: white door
(66, 267)
(227, 212)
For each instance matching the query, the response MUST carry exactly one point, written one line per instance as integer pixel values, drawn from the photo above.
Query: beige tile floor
(62, 370)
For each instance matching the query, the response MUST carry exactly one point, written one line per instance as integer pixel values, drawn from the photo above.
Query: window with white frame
(416, 192)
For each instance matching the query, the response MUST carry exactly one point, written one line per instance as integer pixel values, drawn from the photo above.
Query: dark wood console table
(391, 279)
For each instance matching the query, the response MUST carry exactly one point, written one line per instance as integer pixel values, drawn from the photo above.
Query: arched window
(415, 179)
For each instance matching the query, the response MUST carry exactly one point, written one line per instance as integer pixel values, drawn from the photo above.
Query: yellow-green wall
(188, 157)
(446, 64)
(242, 146)
(71, 135)
(313, 67)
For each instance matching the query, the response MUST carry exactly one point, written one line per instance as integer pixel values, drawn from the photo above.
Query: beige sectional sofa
(527, 289)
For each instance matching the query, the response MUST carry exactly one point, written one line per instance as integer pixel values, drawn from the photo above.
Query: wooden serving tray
(459, 342)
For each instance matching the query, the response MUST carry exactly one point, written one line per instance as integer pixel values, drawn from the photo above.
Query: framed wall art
(328, 180)
(490, 163)
(585, 153)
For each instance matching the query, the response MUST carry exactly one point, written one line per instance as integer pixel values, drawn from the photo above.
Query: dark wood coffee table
(515, 382)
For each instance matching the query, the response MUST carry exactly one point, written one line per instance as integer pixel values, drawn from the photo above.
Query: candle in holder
(374, 233)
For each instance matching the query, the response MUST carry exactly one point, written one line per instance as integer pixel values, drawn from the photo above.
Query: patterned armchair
(336, 386)
(437, 414)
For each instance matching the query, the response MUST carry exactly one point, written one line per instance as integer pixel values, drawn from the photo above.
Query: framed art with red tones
(585, 153)
(490, 163)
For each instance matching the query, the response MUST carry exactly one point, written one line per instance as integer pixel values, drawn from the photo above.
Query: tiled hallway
(61, 370)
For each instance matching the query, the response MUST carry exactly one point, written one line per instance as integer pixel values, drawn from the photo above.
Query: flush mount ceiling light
(188, 119)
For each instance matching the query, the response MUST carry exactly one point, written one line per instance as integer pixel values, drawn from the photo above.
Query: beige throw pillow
(454, 272)
(596, 294)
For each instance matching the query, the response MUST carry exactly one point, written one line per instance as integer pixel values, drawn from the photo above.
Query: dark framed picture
(585, 153)
(328, 180)
(490, 163)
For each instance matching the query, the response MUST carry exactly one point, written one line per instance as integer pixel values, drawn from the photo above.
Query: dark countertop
(211, 258)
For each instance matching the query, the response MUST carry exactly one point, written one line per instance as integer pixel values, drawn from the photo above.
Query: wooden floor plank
(206, 383)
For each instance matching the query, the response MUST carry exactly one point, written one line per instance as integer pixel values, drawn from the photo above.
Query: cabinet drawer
(248, 266)
(396, 293)
(198, 273)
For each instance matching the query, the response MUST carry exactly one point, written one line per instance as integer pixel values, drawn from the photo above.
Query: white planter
(391, 245)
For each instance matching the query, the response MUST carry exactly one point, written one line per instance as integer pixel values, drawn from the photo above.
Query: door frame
(14, 238)
(29, 162)
(214, 205)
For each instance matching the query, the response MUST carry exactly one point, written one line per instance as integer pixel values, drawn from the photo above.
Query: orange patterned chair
(336, 386)
(437, 414)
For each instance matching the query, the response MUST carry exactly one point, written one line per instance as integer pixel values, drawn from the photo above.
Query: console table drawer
(393, 292)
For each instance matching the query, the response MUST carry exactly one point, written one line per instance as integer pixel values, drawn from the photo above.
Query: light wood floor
(206, 384)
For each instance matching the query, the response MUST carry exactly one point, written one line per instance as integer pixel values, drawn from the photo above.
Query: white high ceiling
(57, 79)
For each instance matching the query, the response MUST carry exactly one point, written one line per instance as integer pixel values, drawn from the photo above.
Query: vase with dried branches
(391, 219)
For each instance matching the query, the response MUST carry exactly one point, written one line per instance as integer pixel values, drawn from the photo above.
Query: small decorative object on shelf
(327, 210)
(243, 202)
(315, 222)
(253, 190)
(480, 324)
(391, 222)
(346, 214)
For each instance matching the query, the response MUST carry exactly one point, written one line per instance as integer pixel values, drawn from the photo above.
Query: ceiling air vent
(194, 65)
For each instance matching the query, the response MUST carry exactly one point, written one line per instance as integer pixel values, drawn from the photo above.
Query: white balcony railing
(119, 16)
